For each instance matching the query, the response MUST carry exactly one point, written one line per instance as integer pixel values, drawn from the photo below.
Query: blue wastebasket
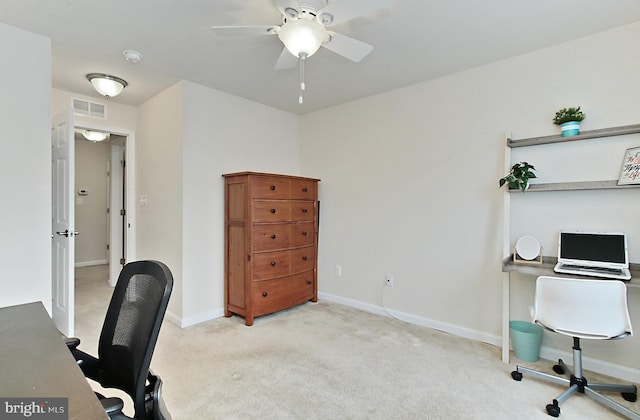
(526, 339)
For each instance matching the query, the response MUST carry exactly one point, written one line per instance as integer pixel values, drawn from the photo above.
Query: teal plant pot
(571, 128)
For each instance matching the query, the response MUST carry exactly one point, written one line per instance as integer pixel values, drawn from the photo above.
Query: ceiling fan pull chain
(302, 85)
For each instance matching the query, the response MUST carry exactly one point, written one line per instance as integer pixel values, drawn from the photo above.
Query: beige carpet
(327, 361)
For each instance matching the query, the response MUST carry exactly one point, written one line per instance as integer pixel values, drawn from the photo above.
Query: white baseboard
(90, 263)
(193, 320)
(595, 365)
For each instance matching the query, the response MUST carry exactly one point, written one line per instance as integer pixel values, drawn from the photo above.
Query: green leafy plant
(518, 177)
(568, 114)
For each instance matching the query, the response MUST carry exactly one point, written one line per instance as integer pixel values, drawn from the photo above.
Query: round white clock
(528, 248)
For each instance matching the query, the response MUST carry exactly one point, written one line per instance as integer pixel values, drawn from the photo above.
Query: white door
(63, 221)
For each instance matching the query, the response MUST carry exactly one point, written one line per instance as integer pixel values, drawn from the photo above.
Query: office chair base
(581, 385)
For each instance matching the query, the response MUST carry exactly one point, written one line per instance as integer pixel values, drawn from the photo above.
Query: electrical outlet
(389, 280)
(338, 271)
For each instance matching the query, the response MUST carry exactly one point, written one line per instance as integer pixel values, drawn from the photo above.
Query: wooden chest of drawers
(271, 243)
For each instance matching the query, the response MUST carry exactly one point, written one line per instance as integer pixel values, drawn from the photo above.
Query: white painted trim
(90, 263)
(193, 320)
(618, 371)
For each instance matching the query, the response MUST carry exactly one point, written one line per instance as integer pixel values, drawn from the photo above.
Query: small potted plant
(569, 121)
(518, 177)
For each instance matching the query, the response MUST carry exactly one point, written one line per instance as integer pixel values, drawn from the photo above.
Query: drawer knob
(273, 263)
(305, 258)
(305, 189)
(305, 210)
(309, 282)
(273, 236)
(264, 294)
(273, 188)
(304, 233)
(273, 211)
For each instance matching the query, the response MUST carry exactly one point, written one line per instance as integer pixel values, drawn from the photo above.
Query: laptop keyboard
(592, 269)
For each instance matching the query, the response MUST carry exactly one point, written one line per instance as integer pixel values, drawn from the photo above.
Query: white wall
(189, 136)
(91, 162)
(223, 134)
(117, 115)
(159, 178)
(25, 167)
(410, 182)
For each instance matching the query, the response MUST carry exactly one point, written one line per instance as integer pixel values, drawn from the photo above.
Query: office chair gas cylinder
(127, 341)
(582, 308)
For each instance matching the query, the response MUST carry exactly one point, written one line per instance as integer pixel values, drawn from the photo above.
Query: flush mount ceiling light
(107, 85)
(95, 136)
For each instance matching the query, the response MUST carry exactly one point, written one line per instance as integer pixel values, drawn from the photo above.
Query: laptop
(593, 254)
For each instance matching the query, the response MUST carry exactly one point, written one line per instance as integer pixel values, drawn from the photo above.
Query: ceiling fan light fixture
(95, 136)
(107, 85)
(302, 36)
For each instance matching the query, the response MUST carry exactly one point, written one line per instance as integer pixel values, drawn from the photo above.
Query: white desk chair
(582, 308)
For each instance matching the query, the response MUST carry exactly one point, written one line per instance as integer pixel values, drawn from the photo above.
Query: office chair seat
(582, 308)
(128, 338)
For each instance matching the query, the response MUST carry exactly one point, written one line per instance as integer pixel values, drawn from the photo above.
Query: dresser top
(247, 173)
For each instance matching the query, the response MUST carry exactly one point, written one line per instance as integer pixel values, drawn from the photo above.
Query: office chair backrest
(584, 308)
(131, 328)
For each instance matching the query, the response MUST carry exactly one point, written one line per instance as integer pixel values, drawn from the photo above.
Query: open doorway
(64, 229)
(100, 203)
(100, 197)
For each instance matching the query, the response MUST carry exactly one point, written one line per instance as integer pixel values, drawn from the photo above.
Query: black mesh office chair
(128, 338)
(582, 308)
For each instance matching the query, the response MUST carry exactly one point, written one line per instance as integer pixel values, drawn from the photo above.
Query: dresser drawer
(271, 237)
(271, 211)
(267, 265)
(303, 259)
(267, 187)
(277, 294)
(302, 234)
(303, 211)
(303, 189)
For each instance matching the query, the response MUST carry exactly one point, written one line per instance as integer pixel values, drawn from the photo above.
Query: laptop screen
(593, 248)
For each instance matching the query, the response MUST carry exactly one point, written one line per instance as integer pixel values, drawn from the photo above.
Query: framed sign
(630, 171)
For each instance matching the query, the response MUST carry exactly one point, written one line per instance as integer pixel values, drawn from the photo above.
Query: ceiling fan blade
(282, 5)
(344, 10)
(240, 31)
(286, 60)
(348, 47)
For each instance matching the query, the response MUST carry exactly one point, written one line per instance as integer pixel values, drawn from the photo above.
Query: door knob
(66, 233)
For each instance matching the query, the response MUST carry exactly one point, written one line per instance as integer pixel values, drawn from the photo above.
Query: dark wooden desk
(35, 362)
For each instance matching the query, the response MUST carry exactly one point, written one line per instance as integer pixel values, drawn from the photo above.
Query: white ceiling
(414, 40)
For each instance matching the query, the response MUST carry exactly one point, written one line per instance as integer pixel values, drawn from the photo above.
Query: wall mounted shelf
(585, 135)
(581, 185)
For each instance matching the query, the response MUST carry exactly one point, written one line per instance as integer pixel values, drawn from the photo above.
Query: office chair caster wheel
(517, 376)
(630, 396)
(553, 410)
(558, 369)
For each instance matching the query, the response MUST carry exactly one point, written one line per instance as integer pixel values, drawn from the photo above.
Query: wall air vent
(89, 109)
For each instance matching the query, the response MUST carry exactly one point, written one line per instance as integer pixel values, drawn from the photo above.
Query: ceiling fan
(304, 28)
